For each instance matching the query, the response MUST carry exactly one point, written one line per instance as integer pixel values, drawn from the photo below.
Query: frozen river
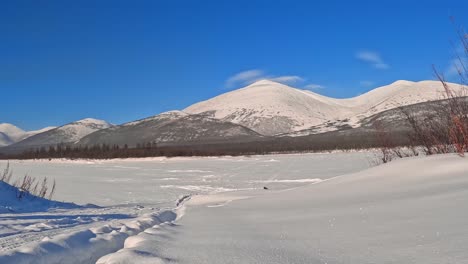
(157, 181)
(132, 188)
(408, 211)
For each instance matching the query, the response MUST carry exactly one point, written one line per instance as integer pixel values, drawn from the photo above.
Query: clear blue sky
(61, 61)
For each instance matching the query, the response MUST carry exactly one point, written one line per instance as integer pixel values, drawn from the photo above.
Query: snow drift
(84, 246)
(9, 201)
(407, 211)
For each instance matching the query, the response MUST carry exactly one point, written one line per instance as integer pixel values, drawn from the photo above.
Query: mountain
(264, 111)
(271, 108)
(170, 127)
(5, 140)
(13, 132)
(10, 134)
(35, 132)
(68, 133)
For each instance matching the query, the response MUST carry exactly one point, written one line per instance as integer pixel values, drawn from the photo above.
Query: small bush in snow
(445, 129)
(28, 185)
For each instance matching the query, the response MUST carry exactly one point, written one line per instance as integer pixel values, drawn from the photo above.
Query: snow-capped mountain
(5, 140)
(68, 133)
(262, 109)
(269, 108)
(10, 134)
(13, 132)
(169, 127)
(272, 108)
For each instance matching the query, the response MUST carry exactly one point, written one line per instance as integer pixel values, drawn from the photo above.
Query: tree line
(313, 143)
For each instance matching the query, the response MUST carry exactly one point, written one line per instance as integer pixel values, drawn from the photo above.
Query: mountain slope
(5, 140)
(264, 108)
(271, 108)
(13, 132)
(10, 134)
(399, 93)
(170, 127)
(68, 133)
(35, 132)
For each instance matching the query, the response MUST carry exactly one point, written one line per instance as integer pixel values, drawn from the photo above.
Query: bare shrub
(28, 185)
(385, 142)
(389, 149)
(444, 129)
(52, 191)
(7, 173)
(43, 191)
(25, 186)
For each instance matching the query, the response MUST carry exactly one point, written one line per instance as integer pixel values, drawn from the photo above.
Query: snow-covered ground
(408, 211)
(132, 188)
(319, 208)
(154, 181)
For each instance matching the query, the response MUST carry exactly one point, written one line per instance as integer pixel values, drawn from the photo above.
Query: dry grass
(28, 185)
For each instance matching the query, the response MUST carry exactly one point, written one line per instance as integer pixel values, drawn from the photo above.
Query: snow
(272, 108)
(319, 208)
(85, 246)
(130, 188)
(9, 202)
(10, 134)
(256, 105)
(170, 115)
(34, 132)
(5, 140)
(160, 180)
(12, 131)
(408, 211)
(78, 129)
(68, 133)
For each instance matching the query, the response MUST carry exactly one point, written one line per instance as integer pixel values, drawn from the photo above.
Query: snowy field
(319, 208)
(131, 188)
(408, 211)
(152, 181)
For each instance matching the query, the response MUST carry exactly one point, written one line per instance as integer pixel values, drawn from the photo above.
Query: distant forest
(312, 143)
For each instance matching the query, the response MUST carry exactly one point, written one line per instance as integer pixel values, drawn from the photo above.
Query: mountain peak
(10, 129)
(16, 134)
(272, 108)
(264, 82)
(67, 133)
(5, 140)
(402, 82)
(91, 121)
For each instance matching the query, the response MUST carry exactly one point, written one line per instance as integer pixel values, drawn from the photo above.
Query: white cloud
(244, 78)
(292, 79)
(314, 86)
(366, 83)
(373, 58)
(251, 76)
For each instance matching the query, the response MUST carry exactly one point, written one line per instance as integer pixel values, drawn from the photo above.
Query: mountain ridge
(170, 127)
(263, 105)
(262, 109)
(68, 133)
(12, 134)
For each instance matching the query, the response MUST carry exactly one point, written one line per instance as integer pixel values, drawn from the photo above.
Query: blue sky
(122, 60)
